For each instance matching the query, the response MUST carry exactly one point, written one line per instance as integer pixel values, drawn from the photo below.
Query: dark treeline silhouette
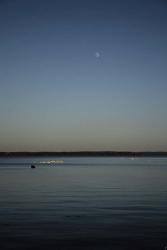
(86, 154)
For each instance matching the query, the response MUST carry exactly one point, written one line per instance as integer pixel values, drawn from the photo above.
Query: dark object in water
(33, 166)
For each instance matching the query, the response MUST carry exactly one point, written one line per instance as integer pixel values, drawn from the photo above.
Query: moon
(97, 54)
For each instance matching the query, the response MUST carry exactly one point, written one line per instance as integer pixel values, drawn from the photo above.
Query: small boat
(33, 166)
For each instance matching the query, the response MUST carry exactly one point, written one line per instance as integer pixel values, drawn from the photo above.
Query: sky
(83, 75)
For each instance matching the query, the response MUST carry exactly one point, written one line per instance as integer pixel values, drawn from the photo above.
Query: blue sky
(83, 75)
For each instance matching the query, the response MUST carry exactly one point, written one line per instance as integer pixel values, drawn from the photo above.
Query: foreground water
(85, 203)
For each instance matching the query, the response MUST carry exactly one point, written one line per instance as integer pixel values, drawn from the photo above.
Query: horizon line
(83, 153)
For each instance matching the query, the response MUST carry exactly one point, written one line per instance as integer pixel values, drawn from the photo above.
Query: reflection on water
(84, 203)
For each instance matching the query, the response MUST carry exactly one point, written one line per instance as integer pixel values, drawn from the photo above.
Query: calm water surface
(85, 203)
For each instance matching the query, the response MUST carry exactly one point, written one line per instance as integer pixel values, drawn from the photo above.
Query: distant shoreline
(85, 154)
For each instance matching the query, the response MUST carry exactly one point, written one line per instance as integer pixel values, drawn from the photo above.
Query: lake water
(86, 203)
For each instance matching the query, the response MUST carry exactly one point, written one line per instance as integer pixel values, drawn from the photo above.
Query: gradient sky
(83, 75)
